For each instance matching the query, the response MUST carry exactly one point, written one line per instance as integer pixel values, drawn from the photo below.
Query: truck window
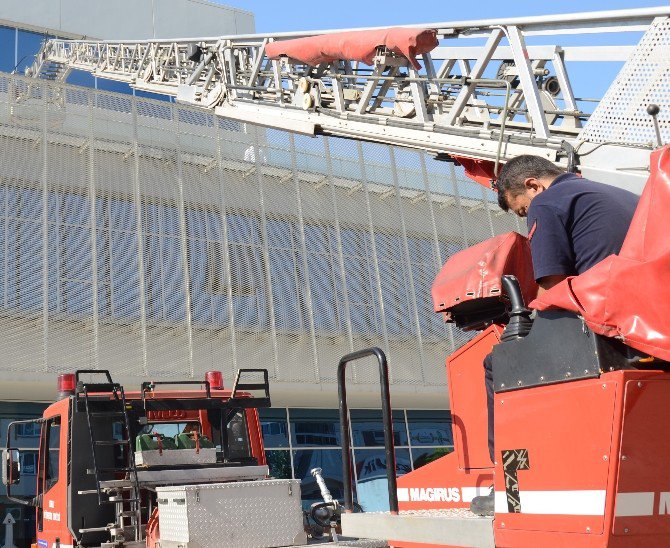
(48, 462)
(238, 437)
(53, 452)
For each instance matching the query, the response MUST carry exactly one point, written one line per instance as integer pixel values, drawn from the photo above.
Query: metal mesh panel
(156, 240)
(621, 116)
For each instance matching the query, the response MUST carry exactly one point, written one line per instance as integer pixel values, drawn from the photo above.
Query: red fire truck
(110, 462)
(581, 397)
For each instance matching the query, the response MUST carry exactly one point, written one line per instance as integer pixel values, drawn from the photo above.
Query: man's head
(523, 178)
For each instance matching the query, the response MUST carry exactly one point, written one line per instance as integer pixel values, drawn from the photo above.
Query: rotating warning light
(215, 379)
(66, 385)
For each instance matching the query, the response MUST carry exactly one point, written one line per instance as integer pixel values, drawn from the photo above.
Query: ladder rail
(136, 503)
(450, 108)
(134, 499)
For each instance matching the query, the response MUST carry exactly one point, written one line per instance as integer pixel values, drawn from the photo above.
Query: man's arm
(549, 281)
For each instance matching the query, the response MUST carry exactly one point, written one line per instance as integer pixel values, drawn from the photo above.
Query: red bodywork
(596, 450)
(475, 272)
(453, 480)
(52, 522)
(355, 45)
(628, 295)
(480, 171)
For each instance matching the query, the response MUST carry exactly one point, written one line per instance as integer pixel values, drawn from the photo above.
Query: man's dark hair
(517, 170)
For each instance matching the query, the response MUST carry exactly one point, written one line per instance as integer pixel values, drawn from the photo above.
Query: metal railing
(387, 418)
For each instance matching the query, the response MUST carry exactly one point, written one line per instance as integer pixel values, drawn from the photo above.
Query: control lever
(653, 111)
(519, 316)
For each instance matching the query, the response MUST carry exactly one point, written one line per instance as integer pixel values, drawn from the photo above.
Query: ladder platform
(457, 527)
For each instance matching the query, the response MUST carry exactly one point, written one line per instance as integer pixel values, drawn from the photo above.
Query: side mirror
(11, 469)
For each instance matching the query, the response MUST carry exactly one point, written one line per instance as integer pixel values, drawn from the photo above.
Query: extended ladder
(108, 487)
(478, 105)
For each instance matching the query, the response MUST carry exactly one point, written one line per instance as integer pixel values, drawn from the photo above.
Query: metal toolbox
(246, 514)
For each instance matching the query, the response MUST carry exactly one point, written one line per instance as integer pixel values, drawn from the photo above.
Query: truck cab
(104, 453)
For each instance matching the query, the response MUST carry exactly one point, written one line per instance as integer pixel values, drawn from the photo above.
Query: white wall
(126, 19)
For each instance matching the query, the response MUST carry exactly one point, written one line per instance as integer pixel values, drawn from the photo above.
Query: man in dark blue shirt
(573, 223)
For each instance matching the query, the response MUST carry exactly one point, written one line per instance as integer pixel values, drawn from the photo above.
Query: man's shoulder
(569, 188)
(544, 204)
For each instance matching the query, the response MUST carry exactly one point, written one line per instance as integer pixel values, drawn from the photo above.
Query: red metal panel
(480, 171)
(567, 431)
(644, 460)
(54, 500)
(448, 482)
(467, 394)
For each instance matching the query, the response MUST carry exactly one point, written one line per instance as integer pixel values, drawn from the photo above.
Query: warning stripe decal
(634, 504)
(569, 503)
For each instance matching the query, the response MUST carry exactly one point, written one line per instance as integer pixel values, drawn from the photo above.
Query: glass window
(29, 43)
(330, 462)
(279, 463)
(422, 456)
(238, 437)
(7, 49)
(429, 428)
(53, 453)
(81, 78)
(112, 85)
(274, 427)
(150, 95)
(315, 427)
(372, 485)
(28, 463)
(368, 430)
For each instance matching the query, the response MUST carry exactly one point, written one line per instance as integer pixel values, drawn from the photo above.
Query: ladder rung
(116, 484)
(95, 387)
(112, 442)
(95, 529)
(115, 470)
(106, 413)
(119, 501)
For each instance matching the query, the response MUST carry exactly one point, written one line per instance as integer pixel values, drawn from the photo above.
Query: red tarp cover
(628, 295)
(475, 272)
(355, 45)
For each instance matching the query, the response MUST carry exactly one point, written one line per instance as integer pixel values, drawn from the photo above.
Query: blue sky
(274, 16)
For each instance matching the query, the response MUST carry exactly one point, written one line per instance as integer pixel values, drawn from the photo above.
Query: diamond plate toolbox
(245, 514)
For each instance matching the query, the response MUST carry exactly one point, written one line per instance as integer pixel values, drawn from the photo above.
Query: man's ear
(533, 184)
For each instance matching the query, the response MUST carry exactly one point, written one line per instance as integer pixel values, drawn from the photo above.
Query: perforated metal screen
(621, 116)
(157, 240)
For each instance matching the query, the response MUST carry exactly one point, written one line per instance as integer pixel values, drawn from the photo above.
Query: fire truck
(111, 461)
(580, 386)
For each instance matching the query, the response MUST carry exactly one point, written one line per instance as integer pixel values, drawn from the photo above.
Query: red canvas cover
(628, 295)
(476, 272)
(355, 45)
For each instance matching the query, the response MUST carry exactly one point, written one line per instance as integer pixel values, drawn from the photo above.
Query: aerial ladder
(477, 105)
(581, 435)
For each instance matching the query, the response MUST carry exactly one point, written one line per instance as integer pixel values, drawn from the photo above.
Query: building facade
(159, 242)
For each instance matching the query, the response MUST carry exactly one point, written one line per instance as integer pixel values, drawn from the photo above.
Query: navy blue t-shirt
(576, 223)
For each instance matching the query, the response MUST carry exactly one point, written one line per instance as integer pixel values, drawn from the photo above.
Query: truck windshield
(238, 446)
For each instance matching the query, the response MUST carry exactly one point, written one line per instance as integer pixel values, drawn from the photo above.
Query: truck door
(51, 515)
